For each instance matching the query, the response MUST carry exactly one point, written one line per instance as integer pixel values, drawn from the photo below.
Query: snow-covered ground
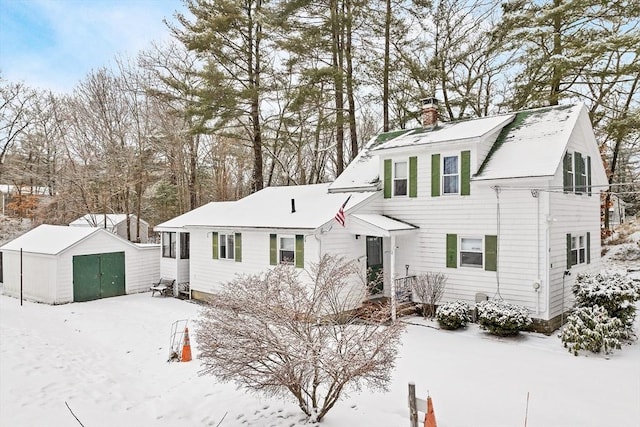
(107, 360)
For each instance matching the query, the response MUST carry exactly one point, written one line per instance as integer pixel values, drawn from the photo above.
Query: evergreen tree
(230, 37)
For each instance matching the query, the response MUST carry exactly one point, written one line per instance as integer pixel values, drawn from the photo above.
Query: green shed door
(86, 277)
(98, 276)
(111, 274)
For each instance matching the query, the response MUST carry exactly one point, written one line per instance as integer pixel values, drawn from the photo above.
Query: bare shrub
(279, 335)
(429, 289)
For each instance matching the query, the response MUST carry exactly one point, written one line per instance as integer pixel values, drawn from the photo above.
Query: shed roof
(49, 239)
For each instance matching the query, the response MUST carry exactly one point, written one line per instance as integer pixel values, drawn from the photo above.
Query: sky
(54, 44)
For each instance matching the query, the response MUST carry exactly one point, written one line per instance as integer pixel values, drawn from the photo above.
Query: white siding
(142, 267)
(574, 214)
(38, 276)
(208, 274)
(121, 230)
(168, 267)
(520, 240)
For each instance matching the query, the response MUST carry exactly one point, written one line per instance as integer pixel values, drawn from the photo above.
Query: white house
(117, 224)
(506, 207)
(59, 264)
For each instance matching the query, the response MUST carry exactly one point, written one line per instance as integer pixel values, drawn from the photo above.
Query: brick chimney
(429, 113)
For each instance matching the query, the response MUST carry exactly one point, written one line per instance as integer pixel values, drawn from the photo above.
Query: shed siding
(38, 276)
(141, 264)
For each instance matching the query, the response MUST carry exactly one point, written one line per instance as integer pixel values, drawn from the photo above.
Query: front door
(375, 281)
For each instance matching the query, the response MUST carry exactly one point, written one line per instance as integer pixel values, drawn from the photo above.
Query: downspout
(536, 286)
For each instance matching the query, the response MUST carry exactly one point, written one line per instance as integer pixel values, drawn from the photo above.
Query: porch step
(379, 310)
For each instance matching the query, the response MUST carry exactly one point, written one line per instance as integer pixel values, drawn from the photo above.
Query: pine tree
(230, 37)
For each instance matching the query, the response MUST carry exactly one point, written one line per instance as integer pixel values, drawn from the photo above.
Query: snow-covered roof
(49, 239)
(198, 216)
(271, 208)
(384, 224)
(451, 131)
(98, 220)
(532, 145)
(361, 174)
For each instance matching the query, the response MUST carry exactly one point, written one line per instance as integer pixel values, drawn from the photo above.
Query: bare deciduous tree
(429, 288)
(282, 335)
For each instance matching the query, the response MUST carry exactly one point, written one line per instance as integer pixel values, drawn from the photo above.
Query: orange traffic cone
(186, 347)
(430, 416)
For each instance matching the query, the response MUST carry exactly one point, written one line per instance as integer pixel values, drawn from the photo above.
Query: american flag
(340, 215)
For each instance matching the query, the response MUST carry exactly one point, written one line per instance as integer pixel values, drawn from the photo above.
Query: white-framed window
(578, 249)
(168, 244)
(576, 173)
(471, 252)
(570, 177)
(450, 174)
(400, 174)
(286, 250)
(227, 246)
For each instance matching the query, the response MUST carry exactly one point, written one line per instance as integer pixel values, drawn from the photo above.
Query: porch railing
(404, 288)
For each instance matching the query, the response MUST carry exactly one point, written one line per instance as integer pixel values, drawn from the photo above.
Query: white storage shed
(60, 264)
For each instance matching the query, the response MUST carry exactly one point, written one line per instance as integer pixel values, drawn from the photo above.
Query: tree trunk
(385, 71)
(353, 131)
(337, 59)
(554, 94)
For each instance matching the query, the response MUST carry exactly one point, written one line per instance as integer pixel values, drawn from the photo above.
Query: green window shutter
(273, 249)
(452, 250)
(435, 175)
(465, 186)
(579, 170)
(299, 251)
(491, 253)
(588, 248)
(568, 251)
(214, 245)
(566, 181)
(589, 175)
(238, 254)
(387, 178)
(413, 176)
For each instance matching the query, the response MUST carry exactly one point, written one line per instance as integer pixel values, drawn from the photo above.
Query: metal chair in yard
(164, 287)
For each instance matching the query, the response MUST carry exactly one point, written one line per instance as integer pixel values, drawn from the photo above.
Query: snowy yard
(107, 360)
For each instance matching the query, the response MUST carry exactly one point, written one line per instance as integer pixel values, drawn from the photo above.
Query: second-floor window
(400, 179)
(450, 175)
(576, 173)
